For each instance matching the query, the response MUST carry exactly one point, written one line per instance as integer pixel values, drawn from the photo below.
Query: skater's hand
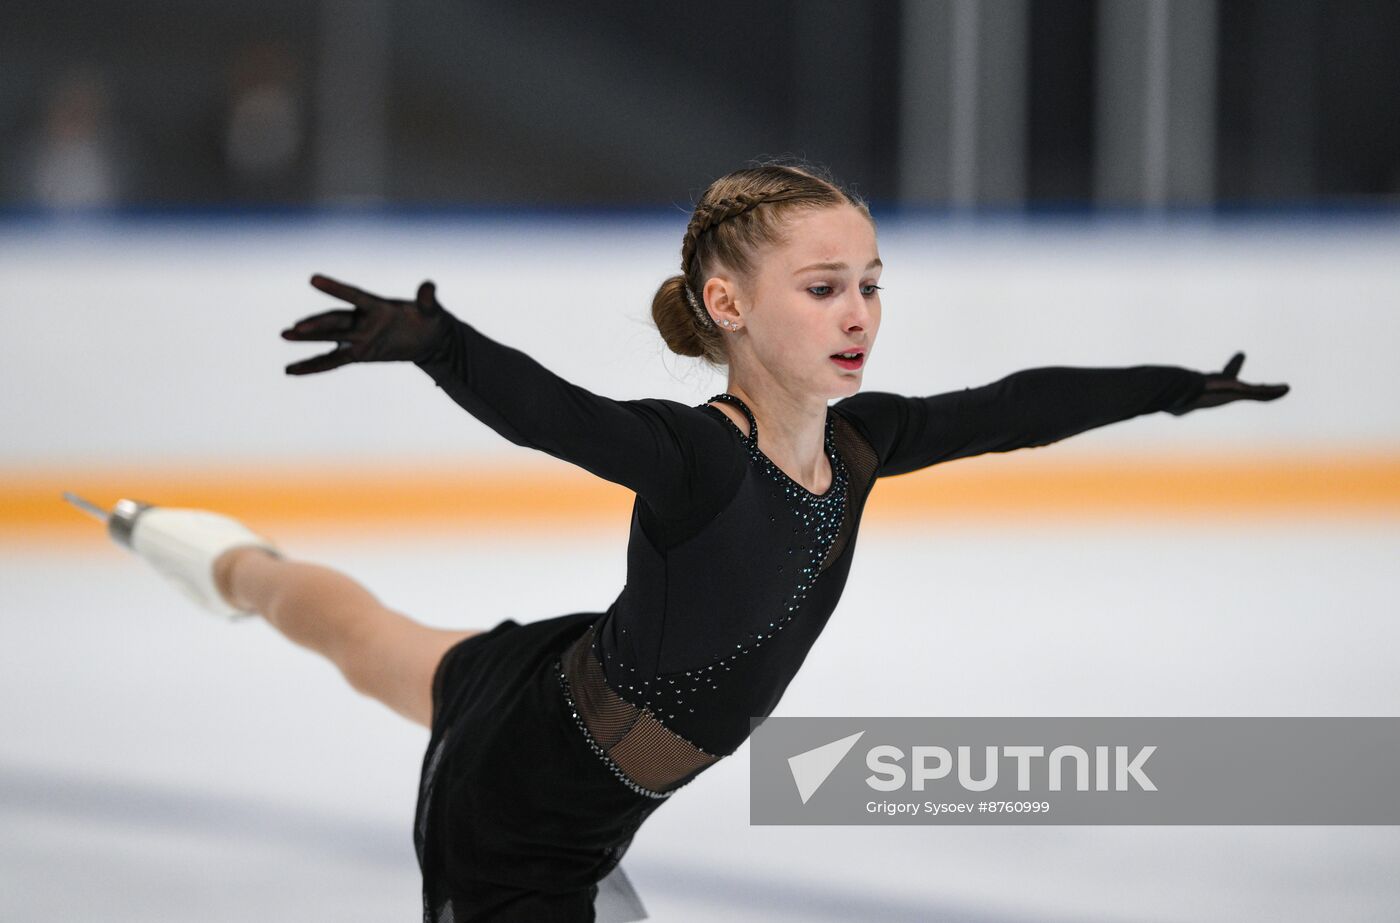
(376, 330)
(1223, 387)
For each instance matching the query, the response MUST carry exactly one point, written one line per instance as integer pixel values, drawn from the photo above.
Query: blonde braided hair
(738, 214)
(706, 217)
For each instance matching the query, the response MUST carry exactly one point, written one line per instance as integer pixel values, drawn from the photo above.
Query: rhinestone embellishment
(820, 517)
(596, 748)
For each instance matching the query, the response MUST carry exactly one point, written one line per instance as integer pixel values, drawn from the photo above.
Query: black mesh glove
(1223, 387)
(376, 330)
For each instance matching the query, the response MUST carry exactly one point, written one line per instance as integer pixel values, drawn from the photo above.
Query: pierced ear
(719, 295)
(715, 292)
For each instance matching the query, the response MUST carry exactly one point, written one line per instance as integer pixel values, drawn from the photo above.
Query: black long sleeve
(722, 604)
(1033, 407)
(674, 458)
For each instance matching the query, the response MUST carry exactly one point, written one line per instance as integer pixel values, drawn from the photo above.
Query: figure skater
(551, 742)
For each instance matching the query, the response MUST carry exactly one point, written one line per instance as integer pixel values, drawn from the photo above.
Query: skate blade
(87, 506)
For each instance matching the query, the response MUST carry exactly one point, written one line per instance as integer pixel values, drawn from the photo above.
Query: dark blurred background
(1005, 104)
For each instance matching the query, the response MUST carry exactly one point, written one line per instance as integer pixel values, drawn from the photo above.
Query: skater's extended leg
(382, 653)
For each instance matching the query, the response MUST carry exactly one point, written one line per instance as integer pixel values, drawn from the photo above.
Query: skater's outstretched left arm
(1034, 407)
(677, 460)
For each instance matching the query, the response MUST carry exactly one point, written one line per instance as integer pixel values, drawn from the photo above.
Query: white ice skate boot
(182, 544)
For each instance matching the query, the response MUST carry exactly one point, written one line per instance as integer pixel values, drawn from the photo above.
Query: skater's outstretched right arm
(673, 457)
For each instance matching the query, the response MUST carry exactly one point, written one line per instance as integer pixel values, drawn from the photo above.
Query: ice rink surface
(158, 764)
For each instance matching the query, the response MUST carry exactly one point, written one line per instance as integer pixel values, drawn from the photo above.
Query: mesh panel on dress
(645, 750)
(445, 913)
(437, 908)
(861, 462)
(428, 785)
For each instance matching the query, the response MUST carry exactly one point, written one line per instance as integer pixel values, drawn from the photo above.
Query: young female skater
(552, 741)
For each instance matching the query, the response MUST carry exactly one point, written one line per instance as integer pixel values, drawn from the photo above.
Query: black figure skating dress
(553, 741)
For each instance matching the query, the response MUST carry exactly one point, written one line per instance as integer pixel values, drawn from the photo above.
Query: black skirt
(517, 817)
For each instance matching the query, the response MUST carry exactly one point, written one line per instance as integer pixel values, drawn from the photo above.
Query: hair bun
(675, 318)
(727, 229)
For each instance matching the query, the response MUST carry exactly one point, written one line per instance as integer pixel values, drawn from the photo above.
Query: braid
(723, 209)
(677, 309)
(720, 210)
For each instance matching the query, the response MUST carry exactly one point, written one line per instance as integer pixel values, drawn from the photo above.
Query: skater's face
(811, 295)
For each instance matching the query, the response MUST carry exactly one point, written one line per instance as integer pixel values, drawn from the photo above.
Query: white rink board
(157, 340)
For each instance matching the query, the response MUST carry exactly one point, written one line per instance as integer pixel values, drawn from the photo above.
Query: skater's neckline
(751, 439)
